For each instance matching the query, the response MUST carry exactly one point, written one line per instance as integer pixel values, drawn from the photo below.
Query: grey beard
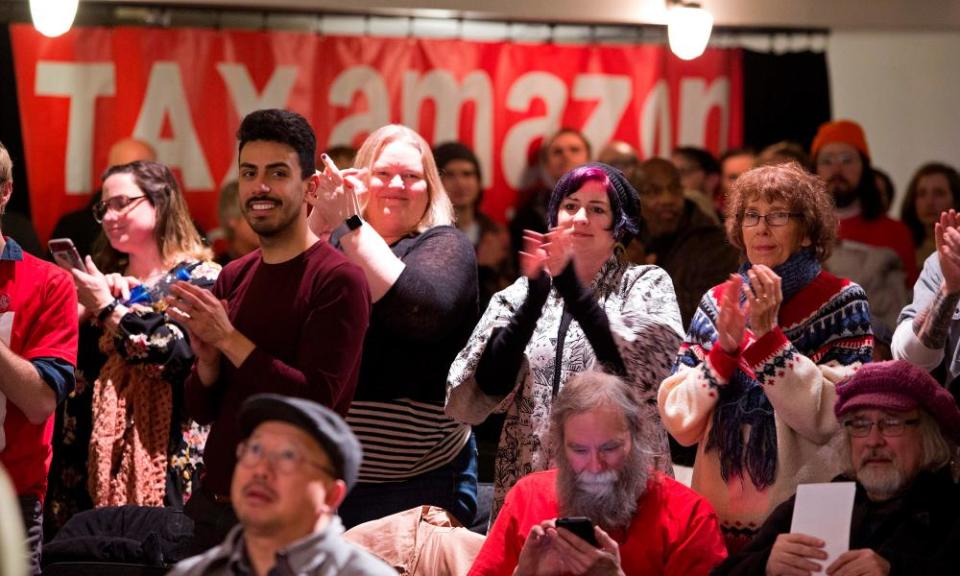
(885, 483)
(611, 508)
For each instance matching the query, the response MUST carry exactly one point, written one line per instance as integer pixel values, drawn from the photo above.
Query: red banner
(185, 90)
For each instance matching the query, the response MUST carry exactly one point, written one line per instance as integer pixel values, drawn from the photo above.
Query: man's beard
(885, 480)
(844, 193)
(609, 498)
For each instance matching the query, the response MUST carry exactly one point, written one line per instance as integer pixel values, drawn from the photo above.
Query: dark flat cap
(325, 425)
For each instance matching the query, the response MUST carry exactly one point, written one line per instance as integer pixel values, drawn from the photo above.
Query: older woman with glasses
(122, 437)
(755, 380)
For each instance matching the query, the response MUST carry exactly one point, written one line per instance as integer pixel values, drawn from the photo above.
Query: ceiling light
(53, 17)
(688, 29)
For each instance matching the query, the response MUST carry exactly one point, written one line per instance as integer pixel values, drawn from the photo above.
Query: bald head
(620, 155)
(130, 150)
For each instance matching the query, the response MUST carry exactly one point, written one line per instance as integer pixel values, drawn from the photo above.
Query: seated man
(900, 427)
(645, 523)
(296, 462)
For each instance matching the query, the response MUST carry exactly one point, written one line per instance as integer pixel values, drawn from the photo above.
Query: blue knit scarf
(742, 402)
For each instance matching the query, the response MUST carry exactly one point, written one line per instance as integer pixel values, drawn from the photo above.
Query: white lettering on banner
(695, 105)
(368, 81)
(612, 94)
(441, 87)
(654, 120)
(245, 98)
(528, 87)
(82, 84)
(166, 97)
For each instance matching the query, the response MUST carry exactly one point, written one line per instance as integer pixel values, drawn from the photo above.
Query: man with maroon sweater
(289, 318)
(38, 352)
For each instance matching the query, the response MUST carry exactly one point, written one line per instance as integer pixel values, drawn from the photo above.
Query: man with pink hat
(902, 429)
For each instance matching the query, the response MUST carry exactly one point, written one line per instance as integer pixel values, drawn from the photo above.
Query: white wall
(904, 89)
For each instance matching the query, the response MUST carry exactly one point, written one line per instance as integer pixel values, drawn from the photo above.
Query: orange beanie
(846, 131)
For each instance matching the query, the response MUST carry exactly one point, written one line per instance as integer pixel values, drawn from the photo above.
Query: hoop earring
(618, 250)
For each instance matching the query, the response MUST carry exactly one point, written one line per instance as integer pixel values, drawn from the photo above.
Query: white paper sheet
(825, 511)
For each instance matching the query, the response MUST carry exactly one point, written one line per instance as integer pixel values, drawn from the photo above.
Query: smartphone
(581, 526)
(65, 254)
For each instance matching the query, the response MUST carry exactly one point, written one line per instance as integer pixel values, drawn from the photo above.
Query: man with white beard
(644, 522)
(901, 429)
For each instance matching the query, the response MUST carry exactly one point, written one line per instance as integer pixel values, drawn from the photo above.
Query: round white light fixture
(53, 18)
(688, 30)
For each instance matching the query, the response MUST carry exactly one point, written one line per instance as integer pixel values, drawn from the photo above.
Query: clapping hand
(732, 318)
(765, 296)
(338, 192)
(947, 236)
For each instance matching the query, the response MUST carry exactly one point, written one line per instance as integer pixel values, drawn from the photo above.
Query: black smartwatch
(348, 226)
(107, 310)
(353, 222)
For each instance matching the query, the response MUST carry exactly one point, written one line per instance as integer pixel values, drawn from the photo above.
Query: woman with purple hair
(578, 306)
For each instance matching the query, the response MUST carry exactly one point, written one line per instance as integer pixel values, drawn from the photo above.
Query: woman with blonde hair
(123, 437)
(391, 216)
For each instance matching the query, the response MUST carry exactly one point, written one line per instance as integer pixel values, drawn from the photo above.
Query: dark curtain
(10, 124)
(785, 97)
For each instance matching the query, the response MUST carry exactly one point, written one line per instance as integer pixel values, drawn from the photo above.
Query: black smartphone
(65, 254)
(581, 526)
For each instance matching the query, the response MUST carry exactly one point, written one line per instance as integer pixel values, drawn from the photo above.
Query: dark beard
(843, 194)
(613, 507)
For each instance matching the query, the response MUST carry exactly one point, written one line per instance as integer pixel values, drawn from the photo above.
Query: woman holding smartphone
(133, 358)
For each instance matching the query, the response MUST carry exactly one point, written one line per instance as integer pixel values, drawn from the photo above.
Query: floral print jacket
(644, 320)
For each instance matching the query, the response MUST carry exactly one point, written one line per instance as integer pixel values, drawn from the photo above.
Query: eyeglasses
(286, 461)
(889, 427)
(827, 160)
(751, 219)
(118, 204)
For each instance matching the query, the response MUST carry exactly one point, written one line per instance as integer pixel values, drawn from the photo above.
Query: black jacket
(918, 532)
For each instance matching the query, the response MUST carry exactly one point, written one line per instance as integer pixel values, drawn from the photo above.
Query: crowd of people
(360, 372)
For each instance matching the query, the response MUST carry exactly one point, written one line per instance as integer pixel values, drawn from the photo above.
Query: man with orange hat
(900, 428)
(841, 157)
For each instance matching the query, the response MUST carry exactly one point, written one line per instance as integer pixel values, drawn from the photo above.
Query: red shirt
(674, 532)
(887, 233)
(38, 318)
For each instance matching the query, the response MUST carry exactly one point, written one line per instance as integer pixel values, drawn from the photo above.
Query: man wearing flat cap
(295, 464)
(901, 428)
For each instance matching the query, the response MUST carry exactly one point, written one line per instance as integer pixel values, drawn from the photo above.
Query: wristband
(107, 310)
(348, 226)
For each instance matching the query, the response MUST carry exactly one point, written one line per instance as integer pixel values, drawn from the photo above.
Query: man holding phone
(288, 318)
(603, 487)
(38, 353)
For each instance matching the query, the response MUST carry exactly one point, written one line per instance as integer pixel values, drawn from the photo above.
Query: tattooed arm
(924, 325)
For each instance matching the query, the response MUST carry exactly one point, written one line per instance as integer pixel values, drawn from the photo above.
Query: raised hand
(765, 296)
(338, 193)
(947, 236)
(558, 244)
(533, 257)
(732, 318)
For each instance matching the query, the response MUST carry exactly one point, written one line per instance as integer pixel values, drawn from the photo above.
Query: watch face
(354, 222)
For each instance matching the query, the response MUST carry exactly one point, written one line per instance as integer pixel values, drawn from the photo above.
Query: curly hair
(804, 193)
(439, 208)
(285, 127)
(908, 210)
(175, 234)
